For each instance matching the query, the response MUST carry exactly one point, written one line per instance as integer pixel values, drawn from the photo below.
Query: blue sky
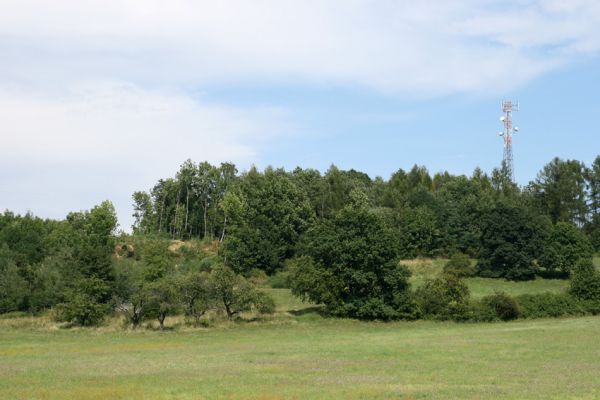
(101, 98)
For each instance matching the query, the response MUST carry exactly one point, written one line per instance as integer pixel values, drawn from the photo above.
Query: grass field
(298, 354)
(423, 269)
(308, 357)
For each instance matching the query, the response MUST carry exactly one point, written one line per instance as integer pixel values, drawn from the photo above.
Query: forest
(205, 241)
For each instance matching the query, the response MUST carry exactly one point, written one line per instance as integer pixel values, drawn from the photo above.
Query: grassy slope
(423, 269)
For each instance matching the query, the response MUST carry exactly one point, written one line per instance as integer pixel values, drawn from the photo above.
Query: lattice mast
(509, 130)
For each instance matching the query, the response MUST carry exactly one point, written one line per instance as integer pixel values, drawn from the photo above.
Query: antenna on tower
(508, 107)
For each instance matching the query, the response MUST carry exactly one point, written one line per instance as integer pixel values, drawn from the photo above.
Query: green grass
(423, 269)
(297, 354)
(308, 359)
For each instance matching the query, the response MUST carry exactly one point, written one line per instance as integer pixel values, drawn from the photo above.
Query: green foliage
(281, 279)
(197, 295)
(443, 298)
(349, 265)
(566, 246)
(163, 300)
(418, 232)
(84, 304)
(502, 306)
(275, 213)
(158, 259)
(549, 305)
(460, 265)
(559, 191)
(585, 283)
(235, 294)
(13, 288)
(512, 239)
(264, 303)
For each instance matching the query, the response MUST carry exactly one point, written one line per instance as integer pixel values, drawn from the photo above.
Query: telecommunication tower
(509, 130)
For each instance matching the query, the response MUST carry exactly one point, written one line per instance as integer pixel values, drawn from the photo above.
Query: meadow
(299, 354)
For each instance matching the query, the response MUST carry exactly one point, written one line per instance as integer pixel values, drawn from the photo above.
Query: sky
(99, 99)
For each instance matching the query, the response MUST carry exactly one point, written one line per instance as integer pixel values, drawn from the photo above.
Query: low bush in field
(553, 305)
(501, 306)
(444, 298)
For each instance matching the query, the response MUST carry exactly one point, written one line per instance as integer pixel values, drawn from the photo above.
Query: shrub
(443, 298)
(264, 303)
(83, 305)
(258, 277)
(545, 305)
(503, 306)
(585, 284)
(460, 265)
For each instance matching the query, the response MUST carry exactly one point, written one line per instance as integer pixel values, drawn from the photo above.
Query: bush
(258, 277)
(502, 306)
(264, 303)
(460, 266)
(83, 305)
(549, 305)
(443, 298)
(585, 284)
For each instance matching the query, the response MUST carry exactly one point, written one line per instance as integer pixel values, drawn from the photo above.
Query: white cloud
(94, 95)
(108, 139)
(426, 47)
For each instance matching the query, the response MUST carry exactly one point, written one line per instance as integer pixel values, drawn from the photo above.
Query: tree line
(337, 237)
(261, 216)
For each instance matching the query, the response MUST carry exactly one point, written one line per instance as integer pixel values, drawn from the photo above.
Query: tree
(565, 247)
(418, 232)
(593, 181)
(350, 265)
(162, 298)
(143, 213)
(13, 288)
(275, 213)
(234, 293)
(585, 284)
(559, 190)
(512, 239)
(197, 294)
(84, 304)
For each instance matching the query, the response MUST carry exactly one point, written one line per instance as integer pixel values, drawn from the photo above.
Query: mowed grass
(308, 358)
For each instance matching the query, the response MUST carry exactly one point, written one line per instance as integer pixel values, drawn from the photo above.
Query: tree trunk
(187, 202)
(224, 226)
(161, 320)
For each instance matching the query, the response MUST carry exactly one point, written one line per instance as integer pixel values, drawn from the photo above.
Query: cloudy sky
(102, 98)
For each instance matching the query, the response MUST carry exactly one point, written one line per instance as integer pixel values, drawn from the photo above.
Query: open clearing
(306, 356)
(297, 354)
